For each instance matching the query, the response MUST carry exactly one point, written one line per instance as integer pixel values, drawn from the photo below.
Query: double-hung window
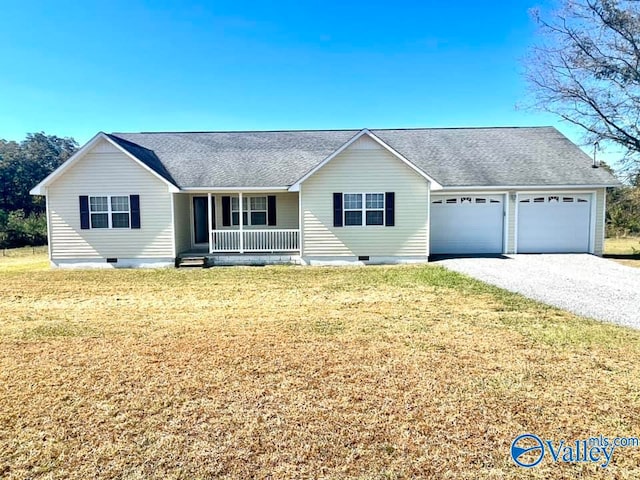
(109, 212)
(363, 209)
(352, 209)
(374, 208)
(254, 211)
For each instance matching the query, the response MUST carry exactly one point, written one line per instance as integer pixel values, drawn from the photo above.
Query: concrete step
(192, 262)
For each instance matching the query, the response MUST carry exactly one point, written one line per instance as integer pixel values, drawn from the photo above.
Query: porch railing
(272, 240)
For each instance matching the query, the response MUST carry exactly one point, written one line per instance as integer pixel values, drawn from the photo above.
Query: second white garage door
(467, 224)
(554, 223)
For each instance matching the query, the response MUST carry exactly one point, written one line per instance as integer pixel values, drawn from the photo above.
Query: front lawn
(299, 372)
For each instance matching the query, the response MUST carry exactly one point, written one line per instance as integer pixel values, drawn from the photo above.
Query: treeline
(623, 210)
(22, 166)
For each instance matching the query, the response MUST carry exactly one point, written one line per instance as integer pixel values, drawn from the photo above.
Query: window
(99, 207)
(352, 209)
(363, 209)
(254, 211)
(120, 212)
(109, 212)
(374, 208)
(258, 210)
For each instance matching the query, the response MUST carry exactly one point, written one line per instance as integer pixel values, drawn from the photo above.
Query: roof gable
(103, 143)
(434, 184)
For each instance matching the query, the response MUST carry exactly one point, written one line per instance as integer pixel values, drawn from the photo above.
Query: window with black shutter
(109, 211)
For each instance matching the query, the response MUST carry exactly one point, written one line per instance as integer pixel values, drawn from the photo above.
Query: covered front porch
(237, 223)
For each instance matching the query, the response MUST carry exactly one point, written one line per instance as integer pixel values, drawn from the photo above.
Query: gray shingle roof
(519, 156)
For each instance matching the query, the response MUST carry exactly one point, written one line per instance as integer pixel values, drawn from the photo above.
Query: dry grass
(390, 372)
(624, 250)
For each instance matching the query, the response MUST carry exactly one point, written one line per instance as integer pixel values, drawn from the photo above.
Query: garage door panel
(554, 223)
(470, 225)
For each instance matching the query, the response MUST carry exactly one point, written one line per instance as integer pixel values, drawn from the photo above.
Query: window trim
(364, 209)
(246, 202)
(109, 212)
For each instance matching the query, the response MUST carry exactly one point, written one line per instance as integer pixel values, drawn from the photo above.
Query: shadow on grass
(622, 256)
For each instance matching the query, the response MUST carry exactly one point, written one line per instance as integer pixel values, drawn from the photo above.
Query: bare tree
(585, 68)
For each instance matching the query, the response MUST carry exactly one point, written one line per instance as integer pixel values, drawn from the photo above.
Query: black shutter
(337, 209)
(85, 223)
(389, 209)
(226, 211)
(134, 201)
(271, 210)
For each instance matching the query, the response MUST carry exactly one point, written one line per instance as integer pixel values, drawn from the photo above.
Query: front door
(200, 223)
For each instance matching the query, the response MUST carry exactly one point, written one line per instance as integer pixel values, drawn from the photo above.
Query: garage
(554, 223)
(467, 224)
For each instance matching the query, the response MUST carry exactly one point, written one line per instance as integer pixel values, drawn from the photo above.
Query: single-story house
(326, 196)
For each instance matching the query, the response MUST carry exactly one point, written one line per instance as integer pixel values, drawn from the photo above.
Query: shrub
(18, 229)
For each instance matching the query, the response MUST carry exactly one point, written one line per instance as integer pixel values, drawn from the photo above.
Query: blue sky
(74, 68)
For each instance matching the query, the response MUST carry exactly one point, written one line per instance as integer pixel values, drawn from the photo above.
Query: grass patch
(624, 250)
(25, 259)
(288, 372)
(57, 329)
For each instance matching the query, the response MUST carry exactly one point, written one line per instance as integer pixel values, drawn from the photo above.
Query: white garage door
(467, 224)
(554, 223)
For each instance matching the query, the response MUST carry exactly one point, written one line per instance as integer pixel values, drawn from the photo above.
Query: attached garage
(554, 223)
(467, 224)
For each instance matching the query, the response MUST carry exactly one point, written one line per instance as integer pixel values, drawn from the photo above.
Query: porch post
(209, 226)
(241, 221)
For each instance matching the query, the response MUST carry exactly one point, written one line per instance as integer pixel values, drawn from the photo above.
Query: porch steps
(192, 262)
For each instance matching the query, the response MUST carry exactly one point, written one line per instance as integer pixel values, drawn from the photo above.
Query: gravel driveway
(583, 284)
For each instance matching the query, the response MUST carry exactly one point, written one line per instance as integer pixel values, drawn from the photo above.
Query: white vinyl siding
(365, 167)
(183, 221)
(105, 171)
(511, 223)
(598, 243)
